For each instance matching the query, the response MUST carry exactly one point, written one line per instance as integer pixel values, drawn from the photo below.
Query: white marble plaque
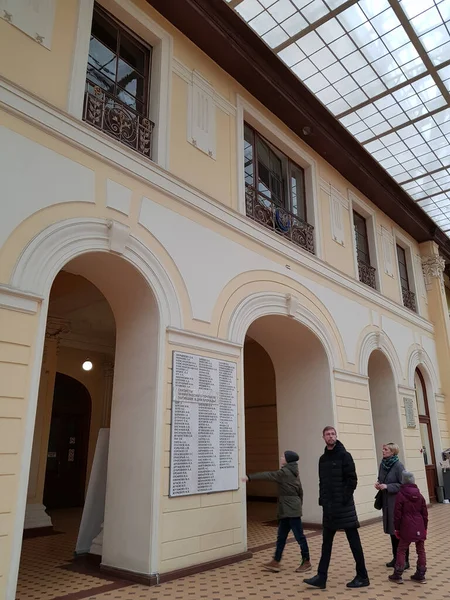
(33, 17)
(204, 444)
(409, 412)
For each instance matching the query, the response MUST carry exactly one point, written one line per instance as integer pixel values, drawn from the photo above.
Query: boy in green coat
(290, 500)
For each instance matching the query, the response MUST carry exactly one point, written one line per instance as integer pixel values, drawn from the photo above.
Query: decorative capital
(433, 267)
(56, 327)
(7, 16)
(108, 369)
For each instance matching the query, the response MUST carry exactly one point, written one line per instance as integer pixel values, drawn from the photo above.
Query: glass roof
(382, 68)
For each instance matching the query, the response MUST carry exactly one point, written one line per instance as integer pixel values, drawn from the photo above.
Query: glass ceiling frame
(382, 68)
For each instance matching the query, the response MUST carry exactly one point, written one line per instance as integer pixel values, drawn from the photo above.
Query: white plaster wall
(34, 177)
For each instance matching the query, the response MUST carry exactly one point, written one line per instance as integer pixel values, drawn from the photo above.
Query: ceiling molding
(228, 40)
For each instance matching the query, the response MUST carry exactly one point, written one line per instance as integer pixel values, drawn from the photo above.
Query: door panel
(65, 476)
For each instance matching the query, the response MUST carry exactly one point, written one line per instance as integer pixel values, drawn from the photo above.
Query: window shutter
(202, 116)
(387, 242)
(337, 222)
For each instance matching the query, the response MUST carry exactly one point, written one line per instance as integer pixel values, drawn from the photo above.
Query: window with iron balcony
(408, 296)
(275, 190)
(365, 270)
(118, 83)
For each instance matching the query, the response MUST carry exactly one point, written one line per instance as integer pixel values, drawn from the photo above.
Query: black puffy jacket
(337, 482)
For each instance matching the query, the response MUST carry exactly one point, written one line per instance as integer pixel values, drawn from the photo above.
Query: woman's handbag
(378, 504)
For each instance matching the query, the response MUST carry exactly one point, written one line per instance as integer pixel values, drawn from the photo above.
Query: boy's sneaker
(273, 566)
(396, 578)
(418, 577)
(304, 566)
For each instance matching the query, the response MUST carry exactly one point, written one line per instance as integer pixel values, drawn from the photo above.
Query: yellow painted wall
(43, 72)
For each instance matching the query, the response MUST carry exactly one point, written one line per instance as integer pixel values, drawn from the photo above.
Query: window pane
(362, 246)
(402, 267)
(104, 62)
(131, 52)
(248, 156)
(104, 31)
(297, 184)
(426, 446)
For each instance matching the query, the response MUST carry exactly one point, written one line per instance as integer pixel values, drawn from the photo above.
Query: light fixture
(87, 365)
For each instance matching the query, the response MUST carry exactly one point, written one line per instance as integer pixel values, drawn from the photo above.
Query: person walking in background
(289, 513)
(411, 524)
(337, 483)
(388, 484)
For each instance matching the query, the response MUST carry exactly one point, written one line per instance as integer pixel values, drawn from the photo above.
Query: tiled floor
(42, 578)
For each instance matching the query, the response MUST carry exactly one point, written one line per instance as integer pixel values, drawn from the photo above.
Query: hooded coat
(337, 482)
(410, 513)
(290, 491)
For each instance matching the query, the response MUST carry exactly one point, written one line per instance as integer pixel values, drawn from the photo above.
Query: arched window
(426, 434)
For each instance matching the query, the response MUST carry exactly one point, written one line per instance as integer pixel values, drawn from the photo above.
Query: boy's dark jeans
(284, 527)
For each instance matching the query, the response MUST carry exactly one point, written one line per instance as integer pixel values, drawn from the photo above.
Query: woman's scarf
(388, 463)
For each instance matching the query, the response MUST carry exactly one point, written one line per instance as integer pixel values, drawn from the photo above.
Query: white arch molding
(35, 270)
(378, 340)
(55, 246)
(263, 304)
(418, 357)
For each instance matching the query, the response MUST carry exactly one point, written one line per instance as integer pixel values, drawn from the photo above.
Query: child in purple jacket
(411, 523)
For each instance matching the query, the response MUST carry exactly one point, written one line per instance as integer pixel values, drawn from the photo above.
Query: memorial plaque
(409, 412)
(204, 444)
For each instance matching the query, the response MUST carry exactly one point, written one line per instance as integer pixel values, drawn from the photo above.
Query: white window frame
(403, 242)
(246, 112)
(161, 67)
(366, 211)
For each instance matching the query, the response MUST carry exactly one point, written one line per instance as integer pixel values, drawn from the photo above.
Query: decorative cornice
(18, 300)
(350, 377)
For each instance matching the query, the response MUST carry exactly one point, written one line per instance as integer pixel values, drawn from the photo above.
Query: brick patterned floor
(42, 578)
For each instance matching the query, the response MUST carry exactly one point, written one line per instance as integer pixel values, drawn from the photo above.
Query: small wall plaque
(409, 412)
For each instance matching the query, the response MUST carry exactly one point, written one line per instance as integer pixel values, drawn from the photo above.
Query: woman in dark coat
(389, 482)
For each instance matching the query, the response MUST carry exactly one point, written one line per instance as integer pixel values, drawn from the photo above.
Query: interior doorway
(426, 434)
(65, 475)
(384, 403)
(288, 401)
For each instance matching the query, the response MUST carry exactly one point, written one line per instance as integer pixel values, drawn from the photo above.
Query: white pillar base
(36, 517)
(97, 544)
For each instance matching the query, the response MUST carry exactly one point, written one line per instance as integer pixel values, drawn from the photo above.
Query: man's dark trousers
(355, 546)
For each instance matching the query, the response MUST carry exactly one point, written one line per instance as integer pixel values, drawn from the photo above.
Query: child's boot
(419, 575)
(396, 576)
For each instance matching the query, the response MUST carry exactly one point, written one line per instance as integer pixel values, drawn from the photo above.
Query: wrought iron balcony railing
(118, 120)
(409, 299)
(367, 274)
(278, 219)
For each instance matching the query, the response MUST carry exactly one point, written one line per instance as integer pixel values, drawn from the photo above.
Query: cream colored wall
(43, 72)
(17, 339)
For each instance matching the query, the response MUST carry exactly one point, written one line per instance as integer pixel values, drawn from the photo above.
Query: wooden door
(426, 435)
(65, 476)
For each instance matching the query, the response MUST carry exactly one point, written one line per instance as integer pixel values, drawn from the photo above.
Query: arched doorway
(101, 291)
(384, 403)
(65, 475)
(426, 434)
(288, 400)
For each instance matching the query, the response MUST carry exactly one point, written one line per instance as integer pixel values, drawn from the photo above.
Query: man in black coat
(337, 483)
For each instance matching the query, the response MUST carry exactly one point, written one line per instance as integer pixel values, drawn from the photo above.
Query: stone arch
(378, 340)
(418, 357)
(261, 304)
(55, 246)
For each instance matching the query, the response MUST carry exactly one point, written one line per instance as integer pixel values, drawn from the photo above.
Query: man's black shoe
(391, 564)
(316, 581)
(358, 582)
